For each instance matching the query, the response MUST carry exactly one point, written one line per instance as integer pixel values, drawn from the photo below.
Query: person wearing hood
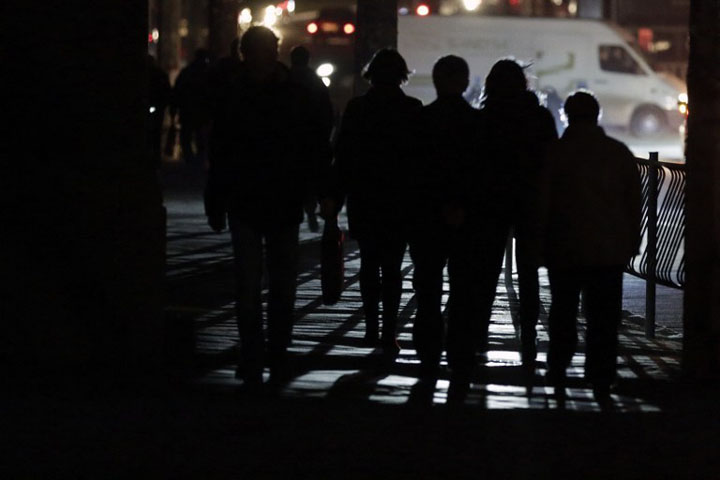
(257, 181)
(374, 145)
(502, 190)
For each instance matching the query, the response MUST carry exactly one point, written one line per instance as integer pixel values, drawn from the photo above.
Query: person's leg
(392, 253)
(187, 129)
(603, 309)
(529, 293)
(429, 258)
(248, 254)
(282, 257)
(370, 285)
(565, 286)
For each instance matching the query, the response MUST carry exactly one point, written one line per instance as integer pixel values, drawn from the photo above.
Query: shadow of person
(422, 393)
(356, 386)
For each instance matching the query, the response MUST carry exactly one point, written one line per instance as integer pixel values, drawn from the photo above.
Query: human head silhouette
(259, 48)
(582, 108)
(386, 68)
(506, 80)
(299, 56)
(202, 56)
(451, 75)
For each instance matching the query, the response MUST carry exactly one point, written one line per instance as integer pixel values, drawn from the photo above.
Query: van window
(615, 58)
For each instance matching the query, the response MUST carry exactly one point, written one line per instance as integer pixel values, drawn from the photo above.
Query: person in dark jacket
(159, 92)
(259, 176)
(445, 147)
(373, 147)
(302, 74)
(502, 189)
(591, 214)
(192, 102)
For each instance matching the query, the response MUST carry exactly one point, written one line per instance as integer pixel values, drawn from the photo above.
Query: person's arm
(336, 180)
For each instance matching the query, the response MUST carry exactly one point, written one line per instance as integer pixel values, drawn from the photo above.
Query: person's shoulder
(413, 102)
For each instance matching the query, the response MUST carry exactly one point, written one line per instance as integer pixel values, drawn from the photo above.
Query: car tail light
(312, 28)
(349, 28)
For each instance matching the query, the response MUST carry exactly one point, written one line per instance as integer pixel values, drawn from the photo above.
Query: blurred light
(557, 2)
(683, 108)
(291, 6)
(514, 3)
(403, 11)
(152, 109)
(349, 28)
(278, 11)
(150, 39)
(312, 28)
(326, 81)
(683, 97)
(423, 10)
(270, 16)
(155, 34)
(325, 70)
(245, 16)
(573, 7)
(471, 5)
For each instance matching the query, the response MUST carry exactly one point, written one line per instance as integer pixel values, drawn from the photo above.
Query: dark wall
(82, 253)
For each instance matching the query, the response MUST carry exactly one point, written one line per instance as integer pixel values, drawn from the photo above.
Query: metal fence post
(650, 284)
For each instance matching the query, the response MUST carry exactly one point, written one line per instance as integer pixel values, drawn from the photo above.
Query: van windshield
(616, 59)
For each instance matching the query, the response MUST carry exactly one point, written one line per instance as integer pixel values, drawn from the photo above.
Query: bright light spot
(312, 28)
(155, 34)
(326, 81)
(572, 8)
(683, 109)
(423, 10)
(349, 28)
(471, 5)
(152, 109)
(291, 6)
(325, 70)
(270, 16)
(403, 11)
(245, 16)
(557, 2)
(683, 98)
(278, 11)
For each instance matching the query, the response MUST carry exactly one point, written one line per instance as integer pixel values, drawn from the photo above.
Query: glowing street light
(423, 10)
(472, 5)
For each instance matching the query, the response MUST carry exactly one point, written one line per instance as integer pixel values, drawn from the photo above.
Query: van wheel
(648, 121)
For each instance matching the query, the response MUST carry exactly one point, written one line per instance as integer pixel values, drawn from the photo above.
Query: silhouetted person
(373, 145)
(591, 211)
(513, 134)
(444, 141)
(159, 92)
(223, 74)
(259, 176)
(191, 99)
(302, 74)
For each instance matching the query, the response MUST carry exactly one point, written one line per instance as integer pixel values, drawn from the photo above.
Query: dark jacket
(260, 169)
(591, 201)
(514, 135)
(374, 146)
(445, 144)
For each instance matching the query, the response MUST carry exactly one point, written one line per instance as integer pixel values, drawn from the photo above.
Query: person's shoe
(252, 385)
(557, 381)
(601, 394)
(371, 338)
(528, 374)
(458, 390)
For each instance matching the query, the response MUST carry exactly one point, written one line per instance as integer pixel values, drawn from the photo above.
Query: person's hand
(328, 208)
(217, 222)
(454, 216)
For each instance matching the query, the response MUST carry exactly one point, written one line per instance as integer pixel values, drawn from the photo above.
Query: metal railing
(662, 252)
(661, 260)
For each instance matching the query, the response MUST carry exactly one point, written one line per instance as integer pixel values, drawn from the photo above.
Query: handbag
(332, 268)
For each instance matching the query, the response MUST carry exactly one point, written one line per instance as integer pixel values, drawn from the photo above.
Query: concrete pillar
(701, 349)
(376, 28)
(82, 254)
(223, 25)
(170, 12)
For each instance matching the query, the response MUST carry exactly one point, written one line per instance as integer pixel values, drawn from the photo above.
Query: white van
(564, 54)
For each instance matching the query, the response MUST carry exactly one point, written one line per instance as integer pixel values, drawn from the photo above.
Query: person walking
(259, 176)
(193, 104)
(302, 74)
(591, 207)
(445, 140)
(373, 146)
(514, 132)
